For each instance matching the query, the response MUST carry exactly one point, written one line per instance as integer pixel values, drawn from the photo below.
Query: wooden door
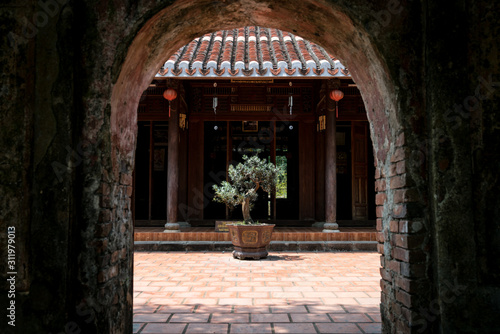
(306, 170)
(194, 209)
(359, 141)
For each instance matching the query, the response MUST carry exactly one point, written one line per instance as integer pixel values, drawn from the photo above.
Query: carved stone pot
(250, 241)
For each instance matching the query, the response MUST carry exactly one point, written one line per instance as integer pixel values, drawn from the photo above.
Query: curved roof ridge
(284, 49)
(327, 56)
(311, 52)
(181, 54)
(208, 51)
(274, 60)
(221, 50)
(193, 55)
(245, 55)
(234, 49)
(260, 56)
(298, 52)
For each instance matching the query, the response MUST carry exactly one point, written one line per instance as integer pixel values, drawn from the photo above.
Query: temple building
(249, 91)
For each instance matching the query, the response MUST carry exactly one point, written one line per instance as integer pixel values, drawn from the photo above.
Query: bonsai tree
(245, 179)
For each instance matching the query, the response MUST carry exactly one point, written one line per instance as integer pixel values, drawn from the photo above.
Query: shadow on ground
(283, 258)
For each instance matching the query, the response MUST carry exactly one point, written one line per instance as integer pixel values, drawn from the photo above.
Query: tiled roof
(251, 52)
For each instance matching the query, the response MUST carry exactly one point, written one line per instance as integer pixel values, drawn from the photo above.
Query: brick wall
(403, 244)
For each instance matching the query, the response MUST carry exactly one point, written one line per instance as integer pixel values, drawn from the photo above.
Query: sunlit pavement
(289, 292)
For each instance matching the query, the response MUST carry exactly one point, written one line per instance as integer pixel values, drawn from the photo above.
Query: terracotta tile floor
(290, 292)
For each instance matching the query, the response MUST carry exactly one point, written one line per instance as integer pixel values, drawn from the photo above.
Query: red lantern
(170, 94)
(336, 95)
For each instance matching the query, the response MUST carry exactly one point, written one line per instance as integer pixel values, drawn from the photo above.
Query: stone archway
(74, 71)
(342, 33)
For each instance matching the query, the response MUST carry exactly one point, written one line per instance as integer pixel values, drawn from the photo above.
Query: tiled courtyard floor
(290, 292)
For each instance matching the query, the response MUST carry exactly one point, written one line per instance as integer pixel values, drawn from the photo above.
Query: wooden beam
(252, 117)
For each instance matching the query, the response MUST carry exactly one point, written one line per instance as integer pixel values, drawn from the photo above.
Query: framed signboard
(250, 126)
(220, 226)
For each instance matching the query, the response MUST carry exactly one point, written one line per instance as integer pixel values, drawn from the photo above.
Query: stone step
(279, 234)
(274, 246)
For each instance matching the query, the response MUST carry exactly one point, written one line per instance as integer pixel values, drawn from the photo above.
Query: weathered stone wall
(440, 254)
(68, 135)
(483, 102)
(16, 123)
(37, 190)
(465, 163)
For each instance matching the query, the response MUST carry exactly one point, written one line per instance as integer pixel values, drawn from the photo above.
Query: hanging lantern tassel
(170, 94)
(215, 100)
(336, 95)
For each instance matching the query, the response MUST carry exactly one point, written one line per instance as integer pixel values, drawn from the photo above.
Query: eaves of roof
(251, 52)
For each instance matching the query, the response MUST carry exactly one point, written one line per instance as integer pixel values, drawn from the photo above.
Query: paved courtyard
(288, 292)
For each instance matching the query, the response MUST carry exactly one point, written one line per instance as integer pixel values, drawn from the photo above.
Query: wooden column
(229, 155)
(173, 163)
(320, 177)
(273, 160)
(150, 171)
(331, 167)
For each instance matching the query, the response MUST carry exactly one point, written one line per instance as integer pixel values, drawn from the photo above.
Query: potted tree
(249, 238)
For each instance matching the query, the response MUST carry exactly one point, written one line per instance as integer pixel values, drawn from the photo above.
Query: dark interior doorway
(277, 142)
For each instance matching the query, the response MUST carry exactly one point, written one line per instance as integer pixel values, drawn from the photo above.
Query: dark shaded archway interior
(69, 123)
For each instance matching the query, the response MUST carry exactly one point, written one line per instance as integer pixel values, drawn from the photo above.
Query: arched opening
(173, 27)
(74, 72)
(254, 90)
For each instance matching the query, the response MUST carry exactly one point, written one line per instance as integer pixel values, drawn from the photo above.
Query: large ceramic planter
(250, 241)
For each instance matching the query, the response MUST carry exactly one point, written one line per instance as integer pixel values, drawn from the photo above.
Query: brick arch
(352, 37)
(74, 70)
(176, 25)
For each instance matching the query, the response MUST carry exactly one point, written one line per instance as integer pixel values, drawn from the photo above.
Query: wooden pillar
(173, 167)
(229, 155)
(331, 168)
(150, 171)
(331, 172)
(331, 161)
(273, 160)
(320, 177)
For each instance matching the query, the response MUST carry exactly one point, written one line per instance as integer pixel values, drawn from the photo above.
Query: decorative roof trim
(251, 52)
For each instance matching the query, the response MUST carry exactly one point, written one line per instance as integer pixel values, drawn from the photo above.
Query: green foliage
(282, 183)
(244, 223)
(245, 179)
